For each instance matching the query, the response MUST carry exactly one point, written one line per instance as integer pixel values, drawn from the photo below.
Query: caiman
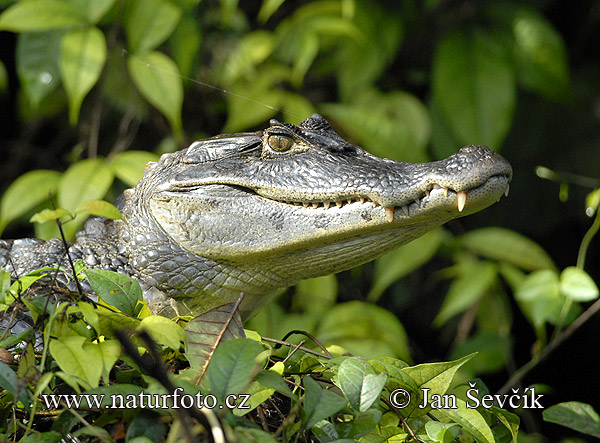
(257, 212)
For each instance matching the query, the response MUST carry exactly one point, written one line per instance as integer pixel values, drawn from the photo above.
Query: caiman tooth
(445, 192)
(427, 194)
(315, 205)
(349, 200)
(326, 205)
(362, 199)
(389, 213)
(375, 204)
(404, 210)
(339, 204)
(506, 192)
(305, 204)
(462, 200)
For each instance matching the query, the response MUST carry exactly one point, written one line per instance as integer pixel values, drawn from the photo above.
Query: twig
(303, 348)
(312, 337)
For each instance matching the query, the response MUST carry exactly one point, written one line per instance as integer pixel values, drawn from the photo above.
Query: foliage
(134, 62)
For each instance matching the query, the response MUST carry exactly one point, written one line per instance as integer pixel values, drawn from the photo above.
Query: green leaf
(402, 261)
(319, 403)
(118, 290)
(164, 331)
(363, 423)
(37, 58)
(233, 365)
(592, 202)
(40, 15)
(577, 285)
(474, 86)
(157, 78)
(82, 57)
(316, 294)
(437, 377)
(129, 166)
(93, 10)
(364, 329)
(394, 125)
(359, 383)
(466, 290)
(492, 351)
(267, 9)
(148, 23)
(469, 419)
(442, 432)
(25, 193)
(505, 245)
(10, 382)
(99, 207)
(88, 179)
(252, 49)
(539, 296)
(46, 215)
(78, 357)
(574, 415)
(185, 44)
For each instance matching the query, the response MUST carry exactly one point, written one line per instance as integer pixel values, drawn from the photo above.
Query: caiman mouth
(430, 192)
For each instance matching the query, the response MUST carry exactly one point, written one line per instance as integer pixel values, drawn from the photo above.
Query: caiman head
(267, 209)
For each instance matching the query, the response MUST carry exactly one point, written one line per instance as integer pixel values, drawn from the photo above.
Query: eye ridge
(280, 142)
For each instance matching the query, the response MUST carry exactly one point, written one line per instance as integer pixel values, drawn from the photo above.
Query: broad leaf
(470, 420)
(37, 64)
(233, 366)
(575, 415)
(46, 215)
(505, 245)
(164, 331)
(118, 290)
(397, 264)
(359, 383)
(474, 86)
(40, 15)
(93, 10)
(82, 57)
(577, 285)
(100, 208)
(78, 357)
(316, 294)
(205, 332)
(25, 193)
(129, 166)
(319, 403)
(148, 23)
(10, 382)
(466, 290)
(539, 296)
(157, 78)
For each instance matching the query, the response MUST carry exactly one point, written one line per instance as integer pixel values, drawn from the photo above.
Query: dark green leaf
(10, 382)
(37, 64)
(185, 44)
(40, 15)
(397, 264)
(82, 57)
(474, 86)
(364, 329)
(574, 415)
(319, 403)
(233, 366)
(116, 289)
(469, 419)
(157, 78)
(466, 290)
(505, 245)
(148, 23)
(363, 423)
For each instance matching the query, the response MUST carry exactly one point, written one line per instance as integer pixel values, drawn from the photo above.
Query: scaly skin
(256, 212)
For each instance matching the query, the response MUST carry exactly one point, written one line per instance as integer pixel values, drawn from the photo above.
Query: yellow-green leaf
(40, 15)
(148, 23)
(47, 215)
(129, 166)
(164, 331)
(99, 207)
(82, 56)
(157, 78)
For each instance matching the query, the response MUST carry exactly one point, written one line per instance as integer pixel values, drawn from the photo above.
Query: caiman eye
(280, 143)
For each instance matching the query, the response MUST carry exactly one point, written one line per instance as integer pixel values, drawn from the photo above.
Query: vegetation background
(409, 80)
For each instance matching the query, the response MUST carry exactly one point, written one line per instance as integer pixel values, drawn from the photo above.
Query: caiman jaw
(405, 209)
